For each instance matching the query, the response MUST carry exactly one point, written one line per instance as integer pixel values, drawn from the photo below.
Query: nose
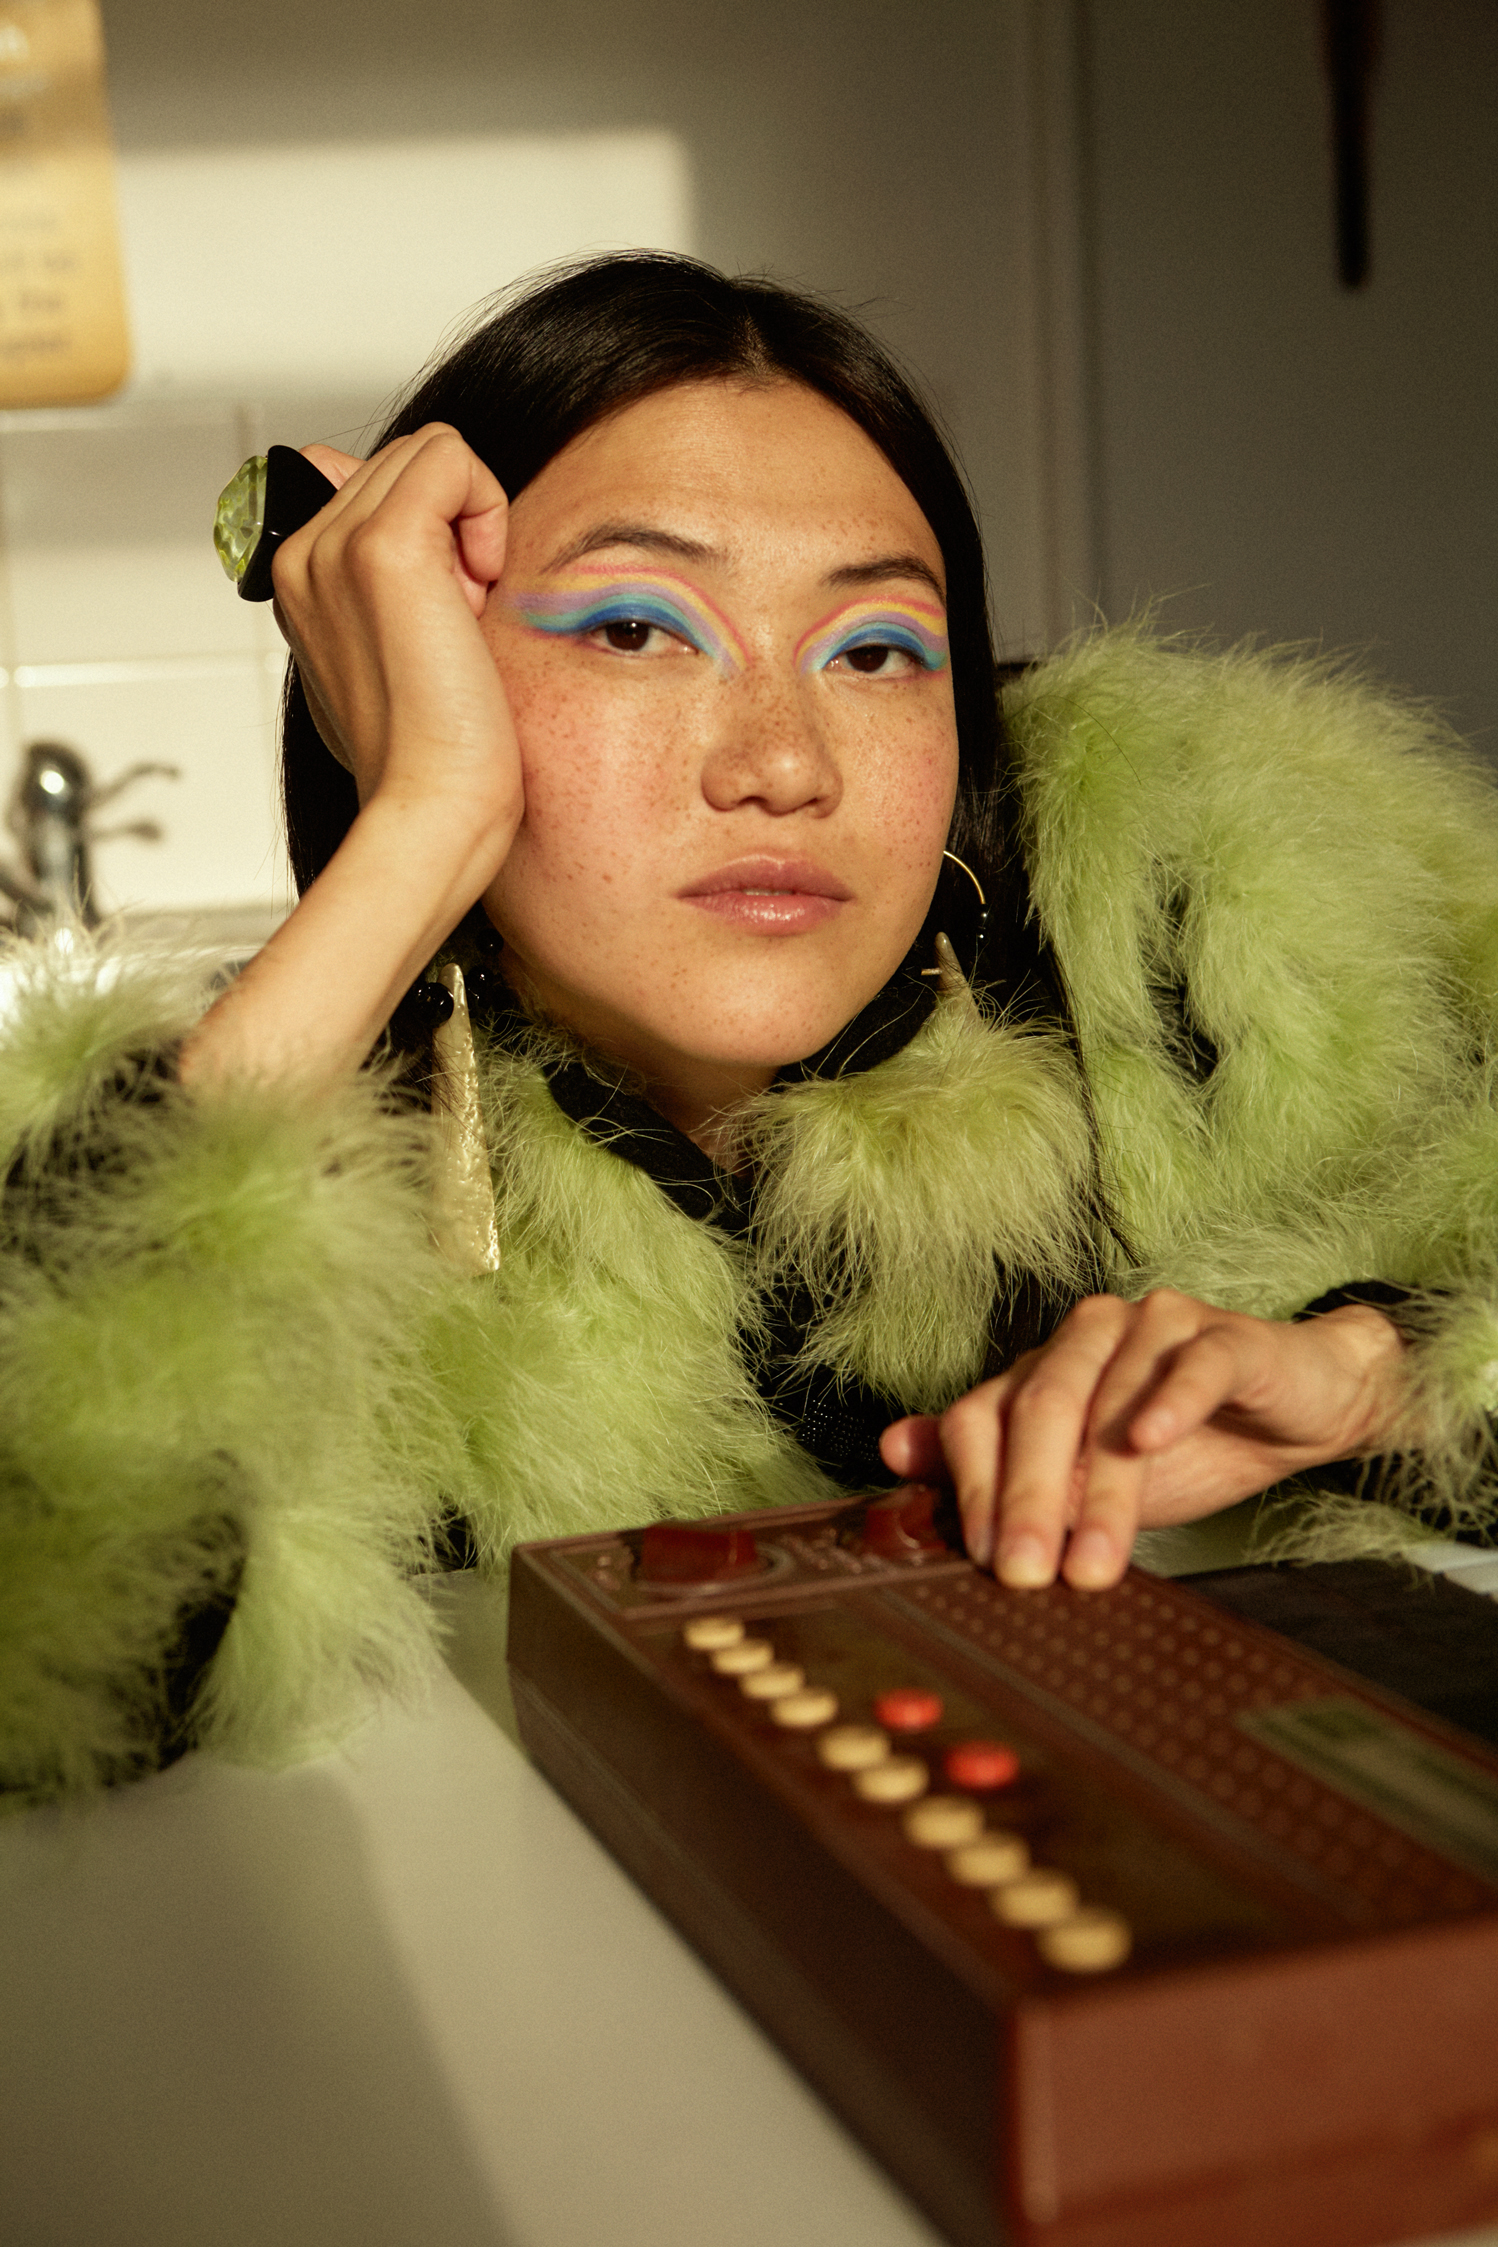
(771, 750)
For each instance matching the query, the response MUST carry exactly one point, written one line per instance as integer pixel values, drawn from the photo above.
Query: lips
(769, 896)
(787, 877)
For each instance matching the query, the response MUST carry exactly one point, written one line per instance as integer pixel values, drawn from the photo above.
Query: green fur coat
(234, 1369)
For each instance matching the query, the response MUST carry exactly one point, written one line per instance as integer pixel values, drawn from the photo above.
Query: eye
(628, 634)
(879, 659)
(882, 646)
(637, 635)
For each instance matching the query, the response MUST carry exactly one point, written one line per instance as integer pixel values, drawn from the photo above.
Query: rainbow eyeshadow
(584, 600)
(917, 627)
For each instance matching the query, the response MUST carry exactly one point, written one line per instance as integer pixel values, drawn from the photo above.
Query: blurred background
(1103, 231)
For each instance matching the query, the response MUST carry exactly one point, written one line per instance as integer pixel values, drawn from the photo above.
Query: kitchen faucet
(51, 816)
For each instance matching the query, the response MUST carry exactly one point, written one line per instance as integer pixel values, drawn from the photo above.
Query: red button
(981, 1765)
(900, 1527)
(908, 1709)
(673, 1552)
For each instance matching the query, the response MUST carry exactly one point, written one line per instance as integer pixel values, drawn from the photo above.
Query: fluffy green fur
(1318, 865)
(217, 1328)
(1308, 859)
(239, 1318)
(598, 1374)
(882, 1194)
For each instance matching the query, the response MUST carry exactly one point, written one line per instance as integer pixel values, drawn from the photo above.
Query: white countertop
(397, 1997)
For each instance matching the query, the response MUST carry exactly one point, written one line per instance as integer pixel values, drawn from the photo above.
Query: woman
(648, 652)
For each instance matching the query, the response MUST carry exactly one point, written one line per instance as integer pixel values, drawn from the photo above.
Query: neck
(699, 1096)
(705, 1110)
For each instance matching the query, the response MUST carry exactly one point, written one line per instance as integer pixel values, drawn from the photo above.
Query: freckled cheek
(598, 787)
(911, 787)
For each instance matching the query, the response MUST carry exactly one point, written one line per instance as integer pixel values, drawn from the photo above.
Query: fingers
(1055, 1462)
(1149, 1412)
(1021, 1457)
(1175, 1364)
(1205, 1371)
(427, 495)
(379, 597)
(336, 466)
(912, 1449)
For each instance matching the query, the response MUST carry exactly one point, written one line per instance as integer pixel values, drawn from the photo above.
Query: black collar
(619, 1118)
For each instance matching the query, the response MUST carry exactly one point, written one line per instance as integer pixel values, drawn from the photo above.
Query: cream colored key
(853, 1747)
(899, 1778)
(1038, 1898)
(943, 1821)
(771, 1683)
(748, 1654)
(709, 1634)
(1090, 1942)
(990, 1862)
(803, 1711)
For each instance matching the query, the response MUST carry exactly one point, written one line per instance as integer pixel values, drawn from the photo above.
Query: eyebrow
(650, 540)
(887, 567)
(641, 535)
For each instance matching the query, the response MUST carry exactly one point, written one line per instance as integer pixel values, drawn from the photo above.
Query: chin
(764, 1037)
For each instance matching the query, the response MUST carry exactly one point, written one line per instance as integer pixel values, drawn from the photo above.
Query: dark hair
(596, 337)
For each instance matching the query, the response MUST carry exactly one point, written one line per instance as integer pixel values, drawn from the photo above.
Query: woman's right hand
(378, 598)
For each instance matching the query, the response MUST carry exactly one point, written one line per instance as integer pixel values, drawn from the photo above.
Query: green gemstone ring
(271, 498)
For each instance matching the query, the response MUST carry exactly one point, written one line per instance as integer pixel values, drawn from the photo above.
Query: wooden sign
(63, 337)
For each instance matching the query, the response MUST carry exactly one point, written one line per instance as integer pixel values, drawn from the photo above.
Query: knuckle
(970, 1414)
(1043, 1399)
(1095, 1324)
(288, 571)
(369, 549)
(446, 443)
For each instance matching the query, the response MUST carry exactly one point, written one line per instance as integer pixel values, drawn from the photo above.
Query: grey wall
(1273, 453)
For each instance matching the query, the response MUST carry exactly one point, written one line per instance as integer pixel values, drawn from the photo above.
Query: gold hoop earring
(948, 972)
(972, 877)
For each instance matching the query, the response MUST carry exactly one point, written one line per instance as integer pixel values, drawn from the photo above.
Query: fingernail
(1091, 1561)
(980, 1546)
(1024, 1563)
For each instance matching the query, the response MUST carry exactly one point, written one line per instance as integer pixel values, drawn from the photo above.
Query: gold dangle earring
(948, 971)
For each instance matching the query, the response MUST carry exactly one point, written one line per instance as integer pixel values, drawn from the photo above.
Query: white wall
(1276, 454)
(869, 148)
(894, 157)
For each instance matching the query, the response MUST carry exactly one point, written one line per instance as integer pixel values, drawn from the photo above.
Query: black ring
(295, 491)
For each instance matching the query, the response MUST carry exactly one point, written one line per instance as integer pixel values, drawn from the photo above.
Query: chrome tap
(51, 800)
(51, 817)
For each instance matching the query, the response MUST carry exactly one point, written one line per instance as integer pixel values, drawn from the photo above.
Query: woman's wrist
(313, 1002)
(1370, 1352)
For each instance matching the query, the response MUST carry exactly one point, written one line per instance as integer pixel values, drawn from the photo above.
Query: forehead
(749, 471)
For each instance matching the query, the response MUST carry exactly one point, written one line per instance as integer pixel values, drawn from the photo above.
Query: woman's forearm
(313, 1002)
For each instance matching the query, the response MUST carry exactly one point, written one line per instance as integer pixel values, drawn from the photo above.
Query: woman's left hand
(1135, 1415)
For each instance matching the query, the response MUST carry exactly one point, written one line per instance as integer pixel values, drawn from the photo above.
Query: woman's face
(721, 627)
